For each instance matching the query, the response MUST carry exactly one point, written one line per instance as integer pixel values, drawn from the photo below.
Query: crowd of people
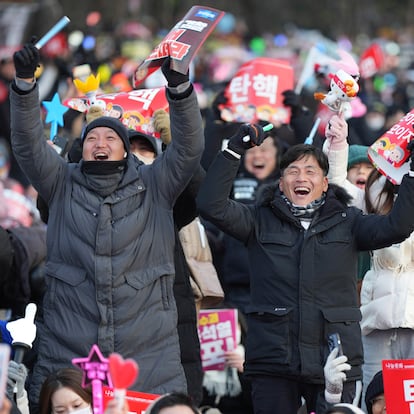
(308, 239)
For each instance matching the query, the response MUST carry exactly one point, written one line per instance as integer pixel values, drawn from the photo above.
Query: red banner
(389, 153)
(255, 92)
(134, 108)
(138, 402)
(398, 375)
(181, 43)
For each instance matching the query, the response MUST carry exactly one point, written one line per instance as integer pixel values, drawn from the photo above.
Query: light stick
(266, 128)
(309, 139)
(53, 31)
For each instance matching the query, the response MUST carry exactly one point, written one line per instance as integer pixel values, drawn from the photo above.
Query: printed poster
(138, 402)
(181, 43)
(255, 92)
(398, 375)
(217, 332)
(134, 108)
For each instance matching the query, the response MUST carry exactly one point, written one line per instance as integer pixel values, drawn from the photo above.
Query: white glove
(335, 376)
(23, 330)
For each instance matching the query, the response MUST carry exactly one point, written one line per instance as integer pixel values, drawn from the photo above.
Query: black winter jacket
(303, 282)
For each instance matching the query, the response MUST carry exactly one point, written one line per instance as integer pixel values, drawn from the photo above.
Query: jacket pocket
(345, 321)
(61, 279)
(268, 339)
(336, 234)
(159, 287)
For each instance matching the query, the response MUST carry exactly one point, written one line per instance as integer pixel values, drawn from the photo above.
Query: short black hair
(171, 400)
(299, 151)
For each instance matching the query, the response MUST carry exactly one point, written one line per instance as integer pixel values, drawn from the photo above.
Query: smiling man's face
(303, 181)
(103, 144)
(261, 160)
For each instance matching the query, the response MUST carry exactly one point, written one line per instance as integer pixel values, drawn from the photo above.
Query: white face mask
(85, 410)
(375, 122)
(143, 158)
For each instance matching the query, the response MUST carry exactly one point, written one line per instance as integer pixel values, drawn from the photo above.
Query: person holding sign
(110, 216)
(386, 298)
(303, 242)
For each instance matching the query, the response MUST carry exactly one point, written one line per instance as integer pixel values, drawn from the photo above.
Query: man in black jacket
(303, 243)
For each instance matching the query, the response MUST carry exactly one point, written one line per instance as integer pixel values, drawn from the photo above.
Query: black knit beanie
(133, 134)
(109, 122)
(375, 388)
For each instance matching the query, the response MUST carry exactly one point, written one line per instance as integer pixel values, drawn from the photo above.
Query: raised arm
(336, 148)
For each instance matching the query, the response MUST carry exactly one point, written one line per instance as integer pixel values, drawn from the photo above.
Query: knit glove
(26, 60)
(335, 376)
(336, 132)
(247, 136)
(161, 120)
(16, 379)
(173, 77)
(410, 147)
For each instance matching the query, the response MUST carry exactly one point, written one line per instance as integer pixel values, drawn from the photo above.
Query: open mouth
(258, 166)
(361, 183)
(100, 156)
(302, 191)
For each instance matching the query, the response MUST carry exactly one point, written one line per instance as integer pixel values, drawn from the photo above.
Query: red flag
(371, 61)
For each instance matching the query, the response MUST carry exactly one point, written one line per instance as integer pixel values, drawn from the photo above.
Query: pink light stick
(95, 372)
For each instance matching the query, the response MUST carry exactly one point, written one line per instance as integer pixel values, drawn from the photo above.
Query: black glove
(293, 100)
(247, 136)
(27, 60)
(410, 148)
(220, 99)
(173, 77)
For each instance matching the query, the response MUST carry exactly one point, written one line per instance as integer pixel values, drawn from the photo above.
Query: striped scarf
(308, 211)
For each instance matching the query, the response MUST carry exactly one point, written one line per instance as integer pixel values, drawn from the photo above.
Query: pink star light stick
(96, 372)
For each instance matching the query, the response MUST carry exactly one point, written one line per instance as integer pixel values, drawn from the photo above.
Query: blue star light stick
(53, 31)
(55, 111)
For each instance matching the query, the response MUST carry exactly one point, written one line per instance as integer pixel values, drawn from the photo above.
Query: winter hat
(134, 134)
(357, 154)
(375, 388)
(109, 122)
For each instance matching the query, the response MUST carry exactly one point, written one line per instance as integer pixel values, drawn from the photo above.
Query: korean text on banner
(398, 376)
(181, 43)
(217, 331)
(255, 92)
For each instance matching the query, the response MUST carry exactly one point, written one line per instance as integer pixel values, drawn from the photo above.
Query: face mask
(86, 410)
(375, 122)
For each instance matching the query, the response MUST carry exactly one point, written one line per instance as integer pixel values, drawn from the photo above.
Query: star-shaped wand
(55, 112)
(96, 372)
